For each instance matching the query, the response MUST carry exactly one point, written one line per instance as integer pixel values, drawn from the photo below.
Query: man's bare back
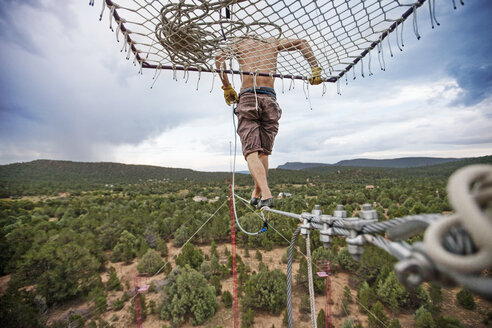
(257, 56)
(260, 56)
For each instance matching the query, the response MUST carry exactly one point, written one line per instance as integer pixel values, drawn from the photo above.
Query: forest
(74, 236)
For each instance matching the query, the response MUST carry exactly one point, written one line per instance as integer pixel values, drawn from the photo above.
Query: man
(257, 109)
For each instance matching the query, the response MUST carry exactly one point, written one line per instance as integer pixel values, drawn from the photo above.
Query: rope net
(189, 34)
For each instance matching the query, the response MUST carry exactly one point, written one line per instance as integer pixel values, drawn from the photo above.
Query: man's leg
(258, 167)
(264, 161)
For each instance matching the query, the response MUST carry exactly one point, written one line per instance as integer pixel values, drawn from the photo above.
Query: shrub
(190, 256)
(126, 248)
(266, 291)
(423, 318)
(215, 281)
(113, 281)
(187, 295)
(227, 299)
(392, 292)
(366, 297)
(118, 304)
(305, 306)
(449, 322)
(347, 323)
(258, 255)
(435, 295)
(321, 318)
(247, 318)
(76, 321)
(152, 287)
(395, 323)
(377, 317)
(465, 299)
(151, 262)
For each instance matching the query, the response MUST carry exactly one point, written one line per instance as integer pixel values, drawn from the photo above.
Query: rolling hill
(404, 162)
(43, 176)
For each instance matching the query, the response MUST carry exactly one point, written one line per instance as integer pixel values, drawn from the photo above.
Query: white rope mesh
(188, 34)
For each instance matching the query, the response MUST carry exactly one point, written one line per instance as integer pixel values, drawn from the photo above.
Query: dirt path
(4, 282)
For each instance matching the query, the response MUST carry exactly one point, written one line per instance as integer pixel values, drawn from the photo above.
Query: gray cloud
(68, 93)
(474, 79)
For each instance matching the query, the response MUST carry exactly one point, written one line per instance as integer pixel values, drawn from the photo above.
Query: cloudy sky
(67, 93)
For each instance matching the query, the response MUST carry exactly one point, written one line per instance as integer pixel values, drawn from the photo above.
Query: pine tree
(190, 256)
(395, 323)
(377, 317)
(187, 294)
(227, 299)
(151, 262)
(348, 323)
(126, 248)
(435, 295)
(392, 292)
(321, 319)
(423, 318)
(113, 281)
(248, 318)
(266, 290)
(366, 297)
(465, 299)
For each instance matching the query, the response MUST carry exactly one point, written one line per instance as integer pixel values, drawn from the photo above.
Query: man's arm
(230, 94)
(301, 45)
(221, 66)
(306, 50)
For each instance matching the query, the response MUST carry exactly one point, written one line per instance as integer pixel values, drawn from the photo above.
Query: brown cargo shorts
(257, 128)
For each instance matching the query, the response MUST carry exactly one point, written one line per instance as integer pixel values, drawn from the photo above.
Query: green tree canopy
(266, 291)
(377, 317)
(61, 272)
(392, 292)
(465, 299)
(126, 248)
(151, 262)
(187, 295)
(423, 318)
(190, 256)
(113, 281)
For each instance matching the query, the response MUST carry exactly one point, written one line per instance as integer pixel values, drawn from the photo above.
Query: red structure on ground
(233, 253)
(325, 272)
(141, 285)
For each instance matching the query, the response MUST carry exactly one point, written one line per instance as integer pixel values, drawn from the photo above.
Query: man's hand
(230, 95)
(315, 78)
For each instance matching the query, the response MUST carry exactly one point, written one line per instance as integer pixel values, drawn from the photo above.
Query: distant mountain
(43, 175)
(101, 172)
(396, 163)
(299, 165)
(404, 162)
(437, 170)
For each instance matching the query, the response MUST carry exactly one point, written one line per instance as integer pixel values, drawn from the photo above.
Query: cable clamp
(357, 224)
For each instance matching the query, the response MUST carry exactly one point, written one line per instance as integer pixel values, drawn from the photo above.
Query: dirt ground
(224, 316)
(4, 281)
